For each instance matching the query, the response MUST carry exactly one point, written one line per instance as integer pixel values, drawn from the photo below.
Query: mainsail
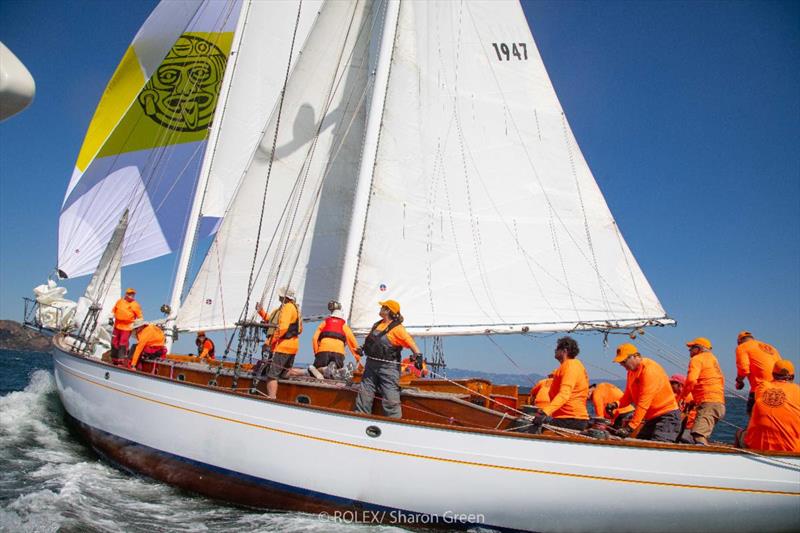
(480, 214)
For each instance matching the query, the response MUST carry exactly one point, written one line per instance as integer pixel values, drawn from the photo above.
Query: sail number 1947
(506, 52)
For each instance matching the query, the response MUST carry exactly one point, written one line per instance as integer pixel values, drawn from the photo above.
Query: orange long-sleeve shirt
(398, 336)
(126, 312)
(775, 422)
(704, 379)
(604, 394)
(540, 393)
(648, 388)
(754, 359)
(286, 315)
(149, 336)
(329, 344)
(569, 391)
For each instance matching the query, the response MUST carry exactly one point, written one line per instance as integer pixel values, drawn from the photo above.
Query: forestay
(300, 199)
(483, 214)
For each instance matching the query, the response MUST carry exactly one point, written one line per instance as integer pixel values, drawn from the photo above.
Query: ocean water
(50, 481)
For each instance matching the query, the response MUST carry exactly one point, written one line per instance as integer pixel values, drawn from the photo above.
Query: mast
(371, 138)
(202, 181)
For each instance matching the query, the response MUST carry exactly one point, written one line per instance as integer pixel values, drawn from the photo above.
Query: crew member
(205, 346)
(754, 361)
(602, 394)
(775, 422)
(329, 342)
(648, 388)
(569, 390)
(284, 341)
(150, 341)
(414, 366)
(125, 311)
(705, 382)
(383, 347)
(540, 393)
(687, 407)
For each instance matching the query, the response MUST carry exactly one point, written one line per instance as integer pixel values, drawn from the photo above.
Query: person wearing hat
(329, 342)
(687, 407)
(150, 341)
(754, 361)
(648, 388)
(706, 383)
(602, 394)
(383, 347)
(205, 346)
(569, 390)
(775, 421)
(125, 311)
(284, 341)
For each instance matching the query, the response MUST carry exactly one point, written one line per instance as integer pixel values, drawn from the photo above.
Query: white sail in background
(308, 187)
(105, 287)
(483, 214)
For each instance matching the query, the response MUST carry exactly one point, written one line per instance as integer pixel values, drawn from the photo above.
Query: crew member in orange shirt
(383, 347)
(568, 392)
(284, 342)
(125, 311)
(602, 394)
(706, 384)
(775, 422)
(329, 342)
(150, 341)
(648, 388)
(754, 361)
(687, 407)
(540, 393)
(414, 366)
(205, 346)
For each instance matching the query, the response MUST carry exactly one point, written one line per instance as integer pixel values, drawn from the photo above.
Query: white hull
(514, 482)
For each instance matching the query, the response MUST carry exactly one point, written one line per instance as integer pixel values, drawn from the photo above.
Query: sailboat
(382, 149)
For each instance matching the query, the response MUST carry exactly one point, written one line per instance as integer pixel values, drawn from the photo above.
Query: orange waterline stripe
(433, 458)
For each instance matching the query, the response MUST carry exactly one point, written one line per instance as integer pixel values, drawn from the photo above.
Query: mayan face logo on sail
(182, 94)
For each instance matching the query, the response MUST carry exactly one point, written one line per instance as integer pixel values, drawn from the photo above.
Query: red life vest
(333, 329)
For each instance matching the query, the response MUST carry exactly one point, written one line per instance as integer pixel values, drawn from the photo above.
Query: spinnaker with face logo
(366, 151)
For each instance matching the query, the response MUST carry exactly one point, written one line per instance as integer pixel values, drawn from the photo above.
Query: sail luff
(193, 221)
(368, 157)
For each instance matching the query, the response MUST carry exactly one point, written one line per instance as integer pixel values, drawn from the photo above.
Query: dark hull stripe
(243, 489)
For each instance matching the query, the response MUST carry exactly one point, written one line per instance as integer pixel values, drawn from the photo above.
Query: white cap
(337, 313)
(139, 322)
(286, 292)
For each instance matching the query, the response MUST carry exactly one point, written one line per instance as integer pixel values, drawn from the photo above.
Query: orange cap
(700, 341)
(624, 351)
(392, 305)
(783, 367)
(743, 334)
(130, 291)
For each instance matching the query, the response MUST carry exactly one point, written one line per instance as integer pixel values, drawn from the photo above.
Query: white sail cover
(308, 183)
(483, 214)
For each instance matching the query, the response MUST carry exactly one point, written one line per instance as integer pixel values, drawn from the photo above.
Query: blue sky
(687, 112)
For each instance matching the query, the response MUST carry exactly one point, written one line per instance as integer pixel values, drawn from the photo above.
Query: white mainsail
(483, 215)
(308, 183)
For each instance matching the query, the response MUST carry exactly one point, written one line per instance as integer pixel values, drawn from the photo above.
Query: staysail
(297, 190)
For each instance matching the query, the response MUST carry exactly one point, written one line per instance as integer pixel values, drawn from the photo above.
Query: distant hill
(523, 380)
(13, 336)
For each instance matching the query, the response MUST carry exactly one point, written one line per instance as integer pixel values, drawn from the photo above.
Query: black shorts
(570, 423)
(751, 401)
(323, 359)
(279, 365)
